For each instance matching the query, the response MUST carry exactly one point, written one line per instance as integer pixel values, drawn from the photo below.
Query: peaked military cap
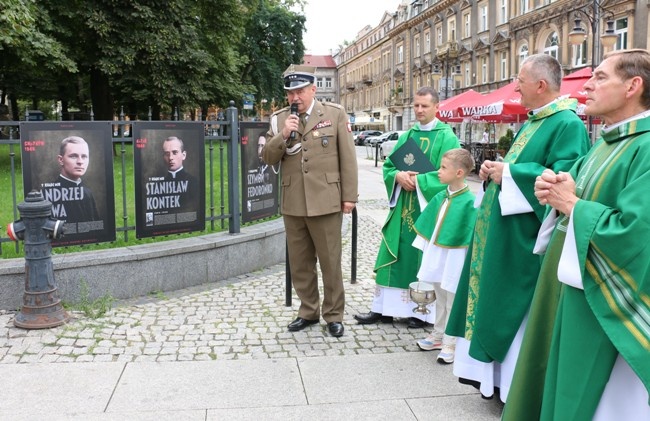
(296, 77)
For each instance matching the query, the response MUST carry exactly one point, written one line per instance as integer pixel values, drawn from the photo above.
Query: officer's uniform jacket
(319, 167)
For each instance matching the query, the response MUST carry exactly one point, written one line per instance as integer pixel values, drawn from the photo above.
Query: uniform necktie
(303, 121)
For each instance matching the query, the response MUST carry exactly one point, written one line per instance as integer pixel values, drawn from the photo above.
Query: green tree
(143, 50)
(222, 32)
(167, 54)
(28, 52)
(273, 41)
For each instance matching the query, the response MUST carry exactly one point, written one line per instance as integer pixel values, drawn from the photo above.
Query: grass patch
(92, 309)
(159, 295)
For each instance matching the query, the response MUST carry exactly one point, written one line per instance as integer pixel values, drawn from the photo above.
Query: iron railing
(222, 147)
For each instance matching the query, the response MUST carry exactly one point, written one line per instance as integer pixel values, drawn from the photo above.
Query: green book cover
(409, 157)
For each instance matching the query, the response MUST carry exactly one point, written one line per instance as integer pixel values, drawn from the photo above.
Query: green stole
(526, 389)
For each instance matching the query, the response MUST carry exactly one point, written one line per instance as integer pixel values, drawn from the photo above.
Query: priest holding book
(411, 179)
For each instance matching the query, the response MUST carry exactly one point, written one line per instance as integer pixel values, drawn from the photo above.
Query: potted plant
(505, 142)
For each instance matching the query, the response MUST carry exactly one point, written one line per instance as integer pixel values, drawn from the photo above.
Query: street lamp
(607, 39)
(447, 61)
(578, 34)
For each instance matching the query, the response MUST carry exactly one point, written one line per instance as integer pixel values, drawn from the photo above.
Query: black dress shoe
(300, 324)
(415, 323)
(372, 317)
(336, 329)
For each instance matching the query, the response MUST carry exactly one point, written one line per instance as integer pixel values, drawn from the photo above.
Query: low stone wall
(166, 266)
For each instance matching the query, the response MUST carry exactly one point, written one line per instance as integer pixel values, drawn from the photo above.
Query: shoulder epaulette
(333, 104)
(285, 109)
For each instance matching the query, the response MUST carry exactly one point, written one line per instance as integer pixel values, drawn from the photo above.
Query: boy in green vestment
(586, 352)
(444, 231)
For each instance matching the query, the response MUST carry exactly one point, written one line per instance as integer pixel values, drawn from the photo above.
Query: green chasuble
(398, 261)
(455, 230)
(581, 340)
(500, 272)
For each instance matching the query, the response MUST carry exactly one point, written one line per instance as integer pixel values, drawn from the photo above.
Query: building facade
(325, 77)
(471, 44)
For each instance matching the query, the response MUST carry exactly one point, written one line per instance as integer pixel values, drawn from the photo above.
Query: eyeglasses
(521, 82)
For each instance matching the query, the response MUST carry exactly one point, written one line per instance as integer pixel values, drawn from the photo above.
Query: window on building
(483, 17)
(400, 54)
(523, 54)
(319, 82)
(328, 82)
(451, 36)
(467, 28)
(551, 47)
(417, 46)
(620, 28)
(427, 42)
(580, 54)
(503, 65)
(438, 35)
(523, 6)
(503, 11)
(484, 70)
(468, 75)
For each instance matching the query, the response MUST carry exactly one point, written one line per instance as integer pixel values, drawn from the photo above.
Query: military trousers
(312, 239)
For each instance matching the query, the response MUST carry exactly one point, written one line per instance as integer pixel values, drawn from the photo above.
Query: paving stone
(240, 318)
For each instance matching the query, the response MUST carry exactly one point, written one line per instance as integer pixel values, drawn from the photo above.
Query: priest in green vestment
(500, 271)
(586, 351)
(408, 194)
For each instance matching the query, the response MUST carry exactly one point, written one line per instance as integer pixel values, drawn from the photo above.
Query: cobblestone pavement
(239, 318)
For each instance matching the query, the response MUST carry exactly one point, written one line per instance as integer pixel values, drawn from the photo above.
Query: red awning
(448, 109)
(572, 84)
(500, 106)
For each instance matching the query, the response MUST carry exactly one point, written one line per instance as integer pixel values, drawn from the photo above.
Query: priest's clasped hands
(406, 179)
(491, 170)
(556, 190)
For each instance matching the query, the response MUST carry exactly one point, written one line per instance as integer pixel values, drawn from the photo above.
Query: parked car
(387, 147)
(373, 141)
(361, 137)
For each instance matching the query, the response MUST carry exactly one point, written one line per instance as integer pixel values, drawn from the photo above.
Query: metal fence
(222, 148)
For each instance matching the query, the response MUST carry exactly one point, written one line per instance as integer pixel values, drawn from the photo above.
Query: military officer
(313, 143)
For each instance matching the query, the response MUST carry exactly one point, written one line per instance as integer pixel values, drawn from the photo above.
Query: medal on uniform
(325, 142)
(316, 134)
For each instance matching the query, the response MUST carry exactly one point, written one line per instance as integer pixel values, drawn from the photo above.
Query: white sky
(330, 22)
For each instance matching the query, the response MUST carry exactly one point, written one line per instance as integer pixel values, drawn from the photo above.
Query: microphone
(294, 111)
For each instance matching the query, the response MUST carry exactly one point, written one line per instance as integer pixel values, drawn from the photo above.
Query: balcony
(366, 79)
(350, 86)
(447, 50)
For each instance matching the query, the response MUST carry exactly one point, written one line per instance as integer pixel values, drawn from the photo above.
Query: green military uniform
(611, 315)
(500, 271)
(398, 261)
